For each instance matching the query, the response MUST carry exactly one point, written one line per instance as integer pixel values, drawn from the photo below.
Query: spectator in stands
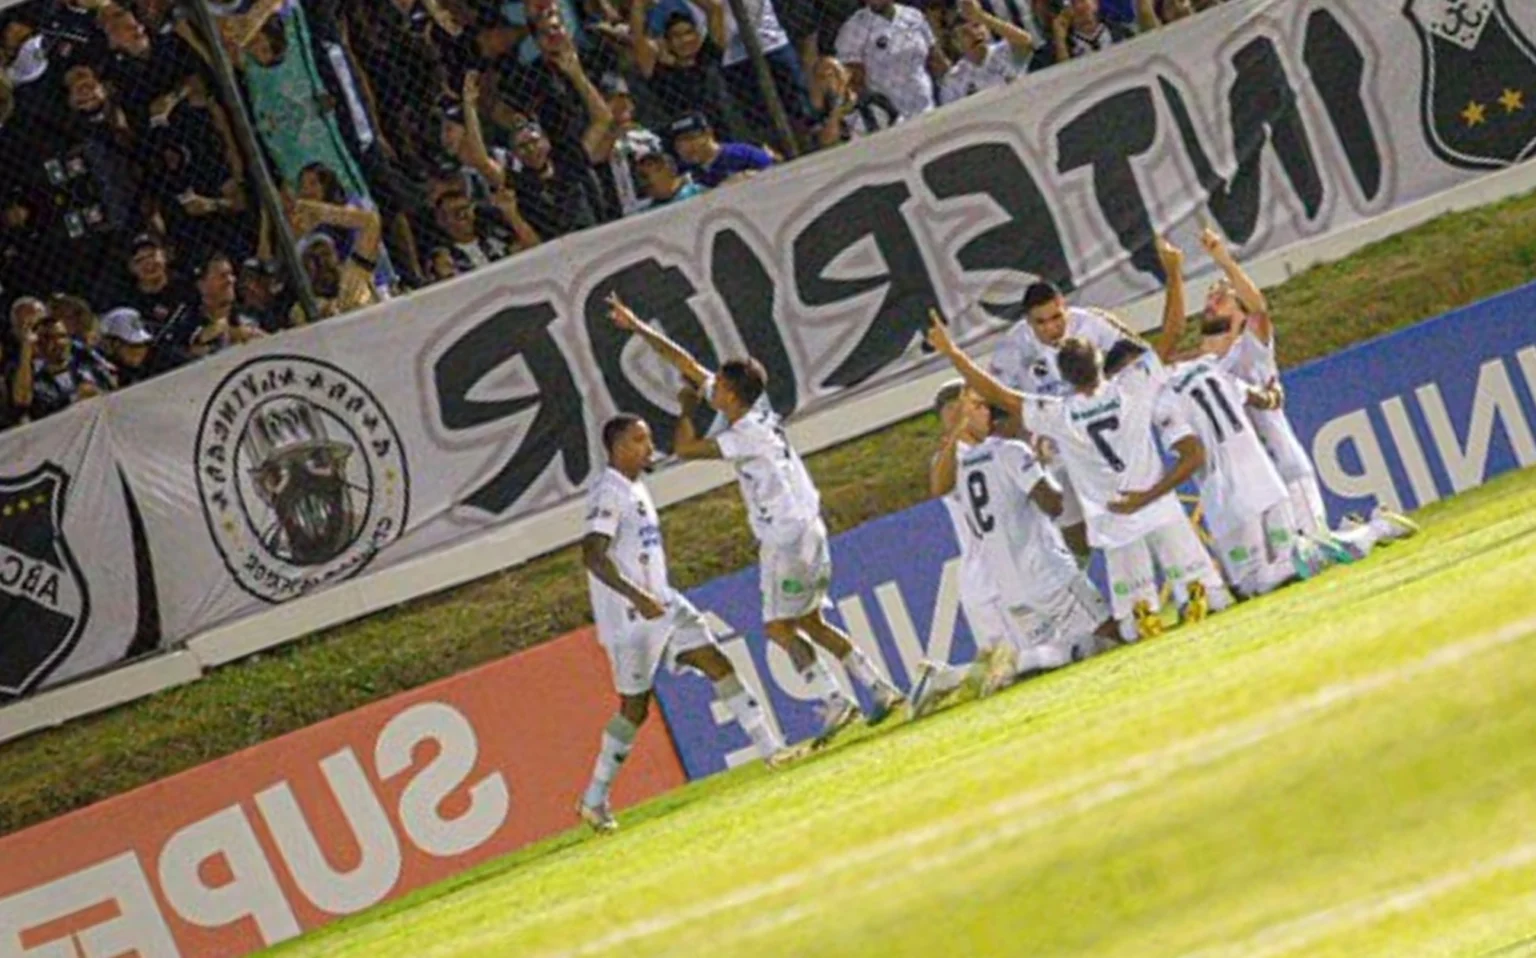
(95, 178)
(709, 161)
(263, 295)
(157, 294)
(479, 235)
(214, 325)
(127, 344)
(397, 44)
(199, 191)
(1153, 13)
(461, 138)
(78, 318)
(151, 73)
(441, 265)
(558, 94)
(340, 283)
(29, 252)
(614, 151)
(683, 70)
(1079, 30)
(71, 28)
(50, 374)
(660, 179)
(985, 62)
(890, 49)
(553, 193)
(842, 113)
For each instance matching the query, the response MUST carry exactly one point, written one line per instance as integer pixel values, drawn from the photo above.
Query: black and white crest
(44, 602)
(1479, 95)
(302, 475)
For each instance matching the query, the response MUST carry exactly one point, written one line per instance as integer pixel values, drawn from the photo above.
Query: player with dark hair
(1026, 360)
(1104, 431)
(642, 622)
(784, 510)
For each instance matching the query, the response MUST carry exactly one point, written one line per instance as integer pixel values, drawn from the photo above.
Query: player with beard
(784, 510)
(642, 622)
(301, 474)
(1103, 430)
(1236, 327)
(1026, 360)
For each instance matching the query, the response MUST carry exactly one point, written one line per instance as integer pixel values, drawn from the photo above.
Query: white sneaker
(786, 755)
(926, 696)
(1393, 524)
(834, 718)
(598, 817)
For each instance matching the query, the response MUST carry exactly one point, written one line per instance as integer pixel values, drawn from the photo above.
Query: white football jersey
(1239, 482)
(1023, 552)
(976, 585)
(780, 496)
(1021, 361)
(623, 511)
(1106, 442)
(999, 66)
(1251, 359)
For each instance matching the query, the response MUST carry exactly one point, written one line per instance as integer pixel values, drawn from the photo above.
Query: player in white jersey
(1236, 327)
(1025, 361)
(784, 511)
(642, 622)
(997, 645)
(1103, 430)
(1245, 502)
(1238, 481)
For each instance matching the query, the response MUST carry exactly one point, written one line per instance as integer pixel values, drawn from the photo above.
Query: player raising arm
(642, 622)
(784, 510)
(1103, 429)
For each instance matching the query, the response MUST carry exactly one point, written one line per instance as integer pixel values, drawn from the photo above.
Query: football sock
(748, 713)
(618, 739)
(822, 684)
(862, 670)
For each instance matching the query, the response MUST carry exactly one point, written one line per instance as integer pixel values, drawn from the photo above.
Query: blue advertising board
(1404, 420)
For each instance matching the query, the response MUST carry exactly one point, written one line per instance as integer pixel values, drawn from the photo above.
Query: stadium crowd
(414, 140)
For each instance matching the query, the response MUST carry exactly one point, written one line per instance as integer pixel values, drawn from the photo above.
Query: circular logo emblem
(301, 474)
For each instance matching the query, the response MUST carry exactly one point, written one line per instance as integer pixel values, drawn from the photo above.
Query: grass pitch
(1345, 768)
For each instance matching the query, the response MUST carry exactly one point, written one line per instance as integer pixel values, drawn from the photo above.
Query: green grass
(1450, 262)
(1341, 769)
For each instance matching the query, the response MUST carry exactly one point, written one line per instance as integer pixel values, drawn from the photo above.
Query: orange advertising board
(257, 847)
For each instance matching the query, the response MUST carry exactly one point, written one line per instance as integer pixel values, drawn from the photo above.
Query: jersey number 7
(1096, 431)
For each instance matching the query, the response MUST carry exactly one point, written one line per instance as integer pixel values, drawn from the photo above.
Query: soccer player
(1103, 430)
(1236, 327)
(642, 622)
(1026, 360)
(784, 510)
(1055, 616)
(1245, 502)
(997, 645)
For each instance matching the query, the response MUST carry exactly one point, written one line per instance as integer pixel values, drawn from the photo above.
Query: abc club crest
(1479, 97)
(301, 474)
(44, 602)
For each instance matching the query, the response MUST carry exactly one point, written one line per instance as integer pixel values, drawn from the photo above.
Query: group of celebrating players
(1053, 452)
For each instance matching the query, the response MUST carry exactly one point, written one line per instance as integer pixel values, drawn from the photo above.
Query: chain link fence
(183, 176)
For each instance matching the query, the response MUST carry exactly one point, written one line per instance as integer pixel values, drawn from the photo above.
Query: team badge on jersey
(1479, 90)
(44, 601)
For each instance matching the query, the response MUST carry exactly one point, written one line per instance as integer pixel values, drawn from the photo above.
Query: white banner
(274, 470)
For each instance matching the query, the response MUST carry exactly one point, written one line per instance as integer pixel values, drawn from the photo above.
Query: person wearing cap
(710, 161)
(339, 287)
(127, 344)
(157, 294)
(660, 179)
(263, 295)
(553, 192)
(463, 139)
(620, 191)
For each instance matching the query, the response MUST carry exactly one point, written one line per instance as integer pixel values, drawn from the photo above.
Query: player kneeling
(1053, 615)
(641, 620)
